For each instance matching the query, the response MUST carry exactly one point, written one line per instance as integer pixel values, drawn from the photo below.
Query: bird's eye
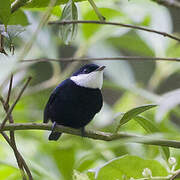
(85, 71)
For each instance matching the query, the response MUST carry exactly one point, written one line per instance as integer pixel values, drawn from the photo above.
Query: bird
(76, 100)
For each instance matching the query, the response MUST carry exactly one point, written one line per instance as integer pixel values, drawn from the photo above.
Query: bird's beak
(101, 68)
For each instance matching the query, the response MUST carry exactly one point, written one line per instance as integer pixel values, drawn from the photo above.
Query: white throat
(92, 80)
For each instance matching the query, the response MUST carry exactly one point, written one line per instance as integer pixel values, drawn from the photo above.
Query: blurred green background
(126, 85)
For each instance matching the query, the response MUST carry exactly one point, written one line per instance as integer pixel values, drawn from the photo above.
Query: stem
(17, 4)
(120, 58)
(93, 134)
(100, 16)
(116, 24)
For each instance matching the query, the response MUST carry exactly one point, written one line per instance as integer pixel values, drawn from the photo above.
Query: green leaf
(5, 11)
(56, 11)
(128, 166)
(7, 172)
(134, 112)
(68, 32)
(146, 124)
(150, 127)
(67, 157)
(165, 152)
(90, 29)
(18, 18)
(45, 3)
(132, 42)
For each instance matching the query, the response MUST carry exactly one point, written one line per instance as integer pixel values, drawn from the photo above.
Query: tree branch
(115, 24)
(120, 58)
(93, 134)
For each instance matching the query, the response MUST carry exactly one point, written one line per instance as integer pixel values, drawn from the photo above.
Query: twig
(14, 104)
(9, 92)
(94, 134)
(20, 161)
(115, 24)
(129, 58)
(168, 3)
(96, 10)
(176, 175)
(2, 50)
(17, 4)
(42, 22)
(12, 137)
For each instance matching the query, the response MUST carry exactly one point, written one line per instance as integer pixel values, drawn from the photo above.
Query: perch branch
(93, 134)
(120, 58)
(115, 24)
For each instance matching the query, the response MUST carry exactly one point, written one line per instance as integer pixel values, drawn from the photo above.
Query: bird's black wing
(50, 102)
(46, 110)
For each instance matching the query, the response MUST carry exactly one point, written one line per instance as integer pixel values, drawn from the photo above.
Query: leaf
(56, 11)
(64, 159)
(68, 32)
(45, 3)
(7, 172)
(165, 152)
(18, 18)
(132, 42)
(5, 11)
(150, 127)
(134, 112)
(129, 166)
(90, 29)
(146, 124)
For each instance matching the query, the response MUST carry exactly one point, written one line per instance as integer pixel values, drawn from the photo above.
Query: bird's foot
(53, 126)
(83, 132)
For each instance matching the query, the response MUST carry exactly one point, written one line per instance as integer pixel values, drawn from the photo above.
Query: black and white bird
(76, 100)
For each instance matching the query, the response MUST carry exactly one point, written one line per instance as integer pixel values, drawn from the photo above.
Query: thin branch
(94, 134)
(120, 58)
(96, 10)
(14, 104)
(17, 4)
(115, 24)
(168, 3)
(176, 175)
(9, 93)
(24, 163)
(2, 50)
(20, 161)
(12, 137)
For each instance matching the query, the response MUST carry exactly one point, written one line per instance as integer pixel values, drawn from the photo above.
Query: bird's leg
(53, 126)
(83, 132)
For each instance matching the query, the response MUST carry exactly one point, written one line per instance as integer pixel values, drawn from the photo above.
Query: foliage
(128, 86)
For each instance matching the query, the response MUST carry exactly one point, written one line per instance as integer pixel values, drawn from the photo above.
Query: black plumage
(73, 105)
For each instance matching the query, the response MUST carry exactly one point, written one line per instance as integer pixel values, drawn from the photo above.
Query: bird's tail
(54, 136)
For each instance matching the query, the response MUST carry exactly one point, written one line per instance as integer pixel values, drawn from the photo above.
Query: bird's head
(89, 76)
